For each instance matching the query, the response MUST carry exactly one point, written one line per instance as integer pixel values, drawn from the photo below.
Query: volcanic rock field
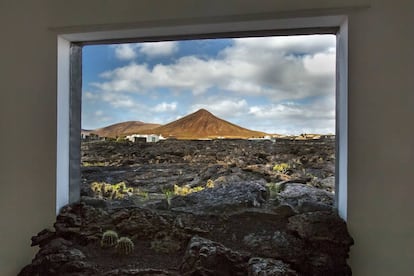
(217, 207)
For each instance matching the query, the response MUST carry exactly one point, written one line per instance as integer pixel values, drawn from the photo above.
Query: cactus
(168, 196)
(121, 186)
(210, 184)
(281, 168)
(109, 239)
(115, 194)
(125, 246)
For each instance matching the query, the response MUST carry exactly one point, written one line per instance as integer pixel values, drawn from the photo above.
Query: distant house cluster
(154, 138)
(315, 137)
(149, 138)
(306, 136)
(264, 138)
(87, 136)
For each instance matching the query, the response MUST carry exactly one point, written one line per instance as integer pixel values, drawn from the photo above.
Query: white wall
(381, 100)
(381, 144)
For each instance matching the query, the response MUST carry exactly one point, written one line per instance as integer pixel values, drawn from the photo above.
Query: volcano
(203, 125)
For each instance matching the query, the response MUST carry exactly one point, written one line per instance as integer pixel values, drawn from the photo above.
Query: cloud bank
(274, 84)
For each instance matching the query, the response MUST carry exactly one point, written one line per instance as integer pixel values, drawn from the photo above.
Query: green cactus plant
(109, 239)
(168, 195)
(121, 186)
(125, 246)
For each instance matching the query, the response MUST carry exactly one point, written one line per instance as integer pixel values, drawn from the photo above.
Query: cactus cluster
(125, 246)
(109, 239)
(186, 190)
(112, 191)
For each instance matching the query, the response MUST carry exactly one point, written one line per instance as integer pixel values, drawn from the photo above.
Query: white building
(149, 138)
(85, 136)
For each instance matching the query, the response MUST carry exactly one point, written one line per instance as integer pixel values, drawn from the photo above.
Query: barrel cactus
(125, 246)
(109, 239)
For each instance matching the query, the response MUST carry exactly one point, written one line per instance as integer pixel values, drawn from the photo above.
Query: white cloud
(130, 51)
(320, 63)
(89, 96)
(99, 113)
(222, 107)
(95, 119)
(164, 107)
(320, 109)
(127, 107)
(118, 100)
(125, 51)
(157, 49)
(293, 118)
(290, 45)
(279, 68)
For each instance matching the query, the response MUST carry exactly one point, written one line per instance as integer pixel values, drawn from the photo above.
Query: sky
(279, 85)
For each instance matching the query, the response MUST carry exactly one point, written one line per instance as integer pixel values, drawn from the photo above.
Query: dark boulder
(265, 266)
(205, 257)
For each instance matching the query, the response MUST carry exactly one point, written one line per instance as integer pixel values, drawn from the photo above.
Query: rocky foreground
(255, 221)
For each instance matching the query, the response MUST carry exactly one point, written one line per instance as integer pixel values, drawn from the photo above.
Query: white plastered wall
(381, 148)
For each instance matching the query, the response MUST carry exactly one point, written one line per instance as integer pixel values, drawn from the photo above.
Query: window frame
(69, 84)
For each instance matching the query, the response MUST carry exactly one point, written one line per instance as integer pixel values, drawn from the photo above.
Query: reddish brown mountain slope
(122, 129)
(203, 124)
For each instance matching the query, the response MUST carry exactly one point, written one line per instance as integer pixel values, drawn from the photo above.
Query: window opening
(163, 120)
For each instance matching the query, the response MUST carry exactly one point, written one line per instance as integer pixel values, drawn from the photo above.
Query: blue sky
(283, 85)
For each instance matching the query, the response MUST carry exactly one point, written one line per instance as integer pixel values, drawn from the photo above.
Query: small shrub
(168, 195)
(143, 194)
(109, 239)
(186, 190)
(96, 187)
(274, 189)
(210, 184)
(94, 164)
(196, 189)
(121, 186)
(281, 167)
(125, 246)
